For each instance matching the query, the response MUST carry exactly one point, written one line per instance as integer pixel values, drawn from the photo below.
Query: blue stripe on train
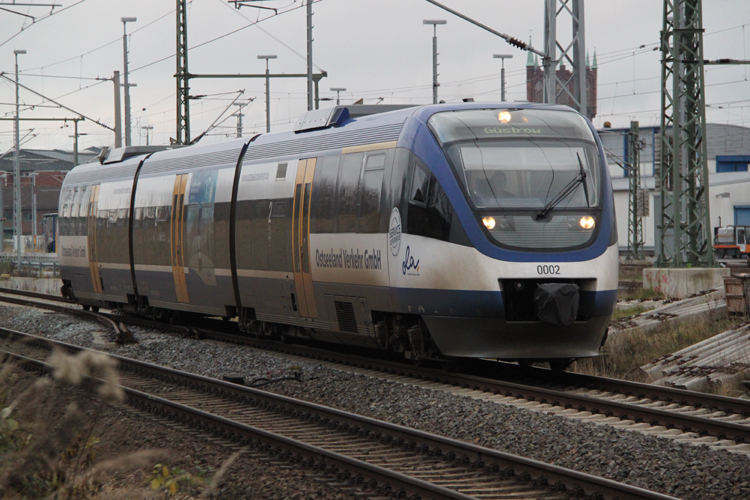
(483, 304)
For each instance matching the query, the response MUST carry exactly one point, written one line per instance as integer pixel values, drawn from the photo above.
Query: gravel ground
(680, 470)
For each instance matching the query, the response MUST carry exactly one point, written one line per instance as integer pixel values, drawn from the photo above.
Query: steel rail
(530, 471)
(36, 295)
(654, 416)
(117, 329)
(491, 376)
(642, 390)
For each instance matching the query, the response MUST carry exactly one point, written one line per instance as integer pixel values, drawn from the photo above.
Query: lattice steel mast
(574, 54)
(182, 76)
(684, 231)
(638, 198)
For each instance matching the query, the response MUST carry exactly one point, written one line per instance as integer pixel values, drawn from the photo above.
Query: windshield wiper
(569, 188)
(583, 180)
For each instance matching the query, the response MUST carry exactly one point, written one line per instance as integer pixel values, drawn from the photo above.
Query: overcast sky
(374, 48)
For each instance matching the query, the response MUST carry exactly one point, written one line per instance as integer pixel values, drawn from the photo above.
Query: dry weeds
(50, 452)
(626, 351)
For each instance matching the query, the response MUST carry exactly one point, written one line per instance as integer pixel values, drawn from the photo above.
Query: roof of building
(47, 159)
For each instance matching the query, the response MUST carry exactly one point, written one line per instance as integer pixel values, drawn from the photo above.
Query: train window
(122, 217)
(433, 217)
(139, 214)
(162, 214)
(83, 207)
(280, 209)
(244, 240)
(74, 204)
(349, 173)
(420, 183)
(64, 220)
(280, 236)
(112, 218)
(261, 229)
(324, 194)
(281, 171)
(372, 185)
(79, 212)
(207, 212)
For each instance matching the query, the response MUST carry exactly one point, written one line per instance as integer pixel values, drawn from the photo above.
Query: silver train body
(369, 231)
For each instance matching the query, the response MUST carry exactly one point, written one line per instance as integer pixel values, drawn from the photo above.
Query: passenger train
(442, 231)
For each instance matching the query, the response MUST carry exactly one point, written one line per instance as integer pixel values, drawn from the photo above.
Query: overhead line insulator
(517, 43)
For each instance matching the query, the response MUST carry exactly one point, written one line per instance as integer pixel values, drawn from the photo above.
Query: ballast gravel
(659, 464)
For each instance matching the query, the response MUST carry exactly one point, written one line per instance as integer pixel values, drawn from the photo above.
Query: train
(448, 231)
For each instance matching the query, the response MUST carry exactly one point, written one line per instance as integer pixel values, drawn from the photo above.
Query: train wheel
(86, 308)
(558, 365)
(95, 309)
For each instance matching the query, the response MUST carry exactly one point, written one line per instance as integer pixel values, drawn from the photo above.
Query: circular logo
(394, 232)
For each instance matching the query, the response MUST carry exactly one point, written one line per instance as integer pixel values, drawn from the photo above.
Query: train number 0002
(548, 269)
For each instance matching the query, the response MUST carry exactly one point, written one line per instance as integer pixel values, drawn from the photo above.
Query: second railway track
(382, 458)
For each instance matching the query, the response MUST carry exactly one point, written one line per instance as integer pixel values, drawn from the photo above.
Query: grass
(49, 447)
(626, 351)
(629, 311)
(631, 274)
(640, 294)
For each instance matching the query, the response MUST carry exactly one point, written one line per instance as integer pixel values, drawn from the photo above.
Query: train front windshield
(521, 158)
(525, 168)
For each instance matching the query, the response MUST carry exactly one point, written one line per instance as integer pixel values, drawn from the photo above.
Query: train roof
(352, 118)
(319, 130)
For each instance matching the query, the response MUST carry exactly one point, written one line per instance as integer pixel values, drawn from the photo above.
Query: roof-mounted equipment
(336, 116)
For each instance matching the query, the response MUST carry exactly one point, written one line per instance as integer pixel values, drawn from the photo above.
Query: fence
(38, 264)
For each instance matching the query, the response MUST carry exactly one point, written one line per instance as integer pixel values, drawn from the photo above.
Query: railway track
(119, 332)
(698, 418)
(382, 459)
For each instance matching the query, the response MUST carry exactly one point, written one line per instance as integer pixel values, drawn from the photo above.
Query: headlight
(503, 116)
(489, 222)
(587, 222)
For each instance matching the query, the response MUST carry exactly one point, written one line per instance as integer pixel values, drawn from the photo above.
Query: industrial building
(42, 174)
(729, 178)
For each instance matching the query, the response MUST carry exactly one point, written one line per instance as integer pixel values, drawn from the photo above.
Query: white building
(729, 178)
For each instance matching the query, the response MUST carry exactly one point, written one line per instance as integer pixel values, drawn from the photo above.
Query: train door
(96, 281)
(176, 237)
(301, 238)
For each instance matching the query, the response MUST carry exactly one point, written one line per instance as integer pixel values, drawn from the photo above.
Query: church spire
(530, 58)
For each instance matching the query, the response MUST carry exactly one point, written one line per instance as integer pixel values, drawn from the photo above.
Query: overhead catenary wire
(40, 19)
(635, 51)
(2, 75)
